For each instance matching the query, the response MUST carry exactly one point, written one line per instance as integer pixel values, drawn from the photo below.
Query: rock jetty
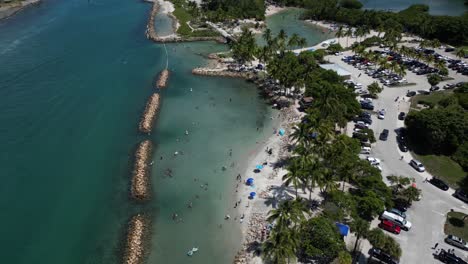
(163, 78)
(151, 109)
(138, 240)
(141, 183)
(256, 234)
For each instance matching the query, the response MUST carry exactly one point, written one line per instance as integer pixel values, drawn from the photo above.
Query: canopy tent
(342, 228)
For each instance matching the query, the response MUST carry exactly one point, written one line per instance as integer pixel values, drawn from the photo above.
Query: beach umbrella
(250, 181)
(252, 194)
(259, 167)
(281, 132)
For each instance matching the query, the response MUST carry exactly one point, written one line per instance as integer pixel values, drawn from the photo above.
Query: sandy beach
(9, 9)
(267, 184)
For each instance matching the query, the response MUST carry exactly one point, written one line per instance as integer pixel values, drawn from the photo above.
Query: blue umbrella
(250, 181)
(252, 194)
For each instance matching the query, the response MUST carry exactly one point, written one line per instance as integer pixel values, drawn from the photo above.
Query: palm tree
(294, 40)
(300, 132)
(349, 33)
(361, 228)
(400, 70)
(435, 43)
(281, 245)
(302, 42)
(267, 36)
(398, 182)
(288, 213)
(340, 33)
(411, 193)
(461, 53)
(294, 176)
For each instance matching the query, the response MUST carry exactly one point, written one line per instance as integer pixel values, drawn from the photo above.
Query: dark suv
(462, 195)
(449, 258)
(439, 184)
(384, 135)
(382, 256)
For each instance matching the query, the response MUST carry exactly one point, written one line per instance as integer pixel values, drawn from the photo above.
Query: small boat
(193, 250)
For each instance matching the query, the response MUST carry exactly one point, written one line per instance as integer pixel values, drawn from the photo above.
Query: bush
(461, 156)
(351, 4)
(334, 48)
(320, 240)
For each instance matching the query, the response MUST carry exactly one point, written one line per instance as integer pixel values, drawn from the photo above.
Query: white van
(405, 225)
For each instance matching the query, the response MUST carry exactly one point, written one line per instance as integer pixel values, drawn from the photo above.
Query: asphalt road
(427, 215)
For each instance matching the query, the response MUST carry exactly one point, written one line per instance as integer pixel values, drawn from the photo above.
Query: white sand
(272, 9)
(166, 7)
(268, 183)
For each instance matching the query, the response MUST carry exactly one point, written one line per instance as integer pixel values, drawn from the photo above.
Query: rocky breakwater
(163, 78)
(151, 109)
(141, 184)
(222, 73)
(257, 232)
(138, 240)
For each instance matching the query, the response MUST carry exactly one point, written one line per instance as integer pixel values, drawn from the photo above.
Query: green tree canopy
(320, 240)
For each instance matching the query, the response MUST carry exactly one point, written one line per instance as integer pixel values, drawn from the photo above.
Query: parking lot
(427, 215)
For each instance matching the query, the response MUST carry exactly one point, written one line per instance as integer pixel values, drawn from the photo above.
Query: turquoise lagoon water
(436, 7)
(74, 78)
(289, 21)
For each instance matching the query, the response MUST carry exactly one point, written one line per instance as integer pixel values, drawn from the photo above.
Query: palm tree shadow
(254, 247)
(280, 193)
(280, 163)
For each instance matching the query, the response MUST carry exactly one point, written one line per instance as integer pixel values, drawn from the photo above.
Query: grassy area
(184, 16)
(430, 99)
(443, 167)
(454, 225)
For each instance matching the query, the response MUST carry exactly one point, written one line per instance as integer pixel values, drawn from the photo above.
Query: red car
(390, 226)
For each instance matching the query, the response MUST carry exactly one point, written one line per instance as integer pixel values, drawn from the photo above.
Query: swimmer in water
(186, 132)
(191, 89)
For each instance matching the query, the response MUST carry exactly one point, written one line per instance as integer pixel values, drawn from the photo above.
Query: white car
(381, 114)
(404, 224)
(377, 167)
(365, 150)
(373, 161)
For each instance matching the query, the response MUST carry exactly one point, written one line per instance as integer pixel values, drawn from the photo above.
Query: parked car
(400, 221)
(402, 147)
(448, 257)
(439, 183)
(401, 116)
(367, 106)
(390, 226)
(397, 212)
(365, 114)
(417, 165)
(382, 256)
(361, 125)
(462, 195)
(365, 150)
(410, 94)
(457, 242)
(384, 135)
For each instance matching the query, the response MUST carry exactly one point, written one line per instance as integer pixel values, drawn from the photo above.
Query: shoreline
(256, 211)
(9, 11)
(274, 9)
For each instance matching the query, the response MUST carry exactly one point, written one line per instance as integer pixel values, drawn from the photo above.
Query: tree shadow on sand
(280, 193)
